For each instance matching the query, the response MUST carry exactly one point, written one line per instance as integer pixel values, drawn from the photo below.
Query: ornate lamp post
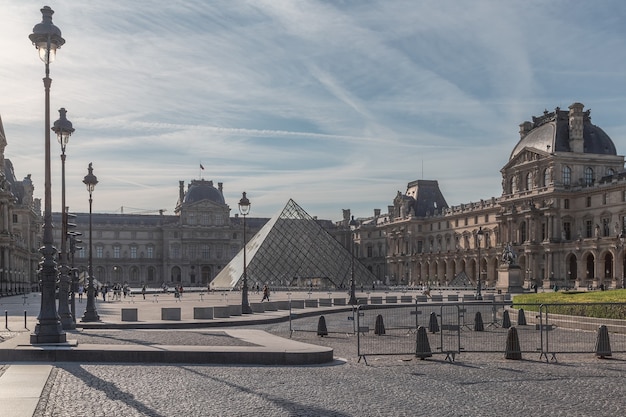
(47, 39)
(353, 300)
(244, 209)
(63, 128)
(479, 239)
(90, 311)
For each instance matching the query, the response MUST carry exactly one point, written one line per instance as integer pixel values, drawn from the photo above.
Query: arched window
(529, 181)
(588, 176)
(513, 184)
(546, 177)
(522, 232)
(567, 175)
(610, 171)
(175, 274)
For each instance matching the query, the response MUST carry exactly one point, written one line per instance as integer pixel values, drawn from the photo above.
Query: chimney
(181, 190)
(376, 212)
(220, 185)
(576, 140)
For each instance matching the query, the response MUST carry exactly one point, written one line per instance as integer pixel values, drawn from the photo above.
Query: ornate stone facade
(562, 210)
(20, 228)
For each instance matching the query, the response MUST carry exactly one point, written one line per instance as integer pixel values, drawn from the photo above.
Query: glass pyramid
(293, 250)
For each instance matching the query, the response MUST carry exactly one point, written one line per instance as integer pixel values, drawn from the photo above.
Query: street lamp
(63, 129)
(479, 239)
(353, 300)
(47, 39)
(244, 209)
(90, 314)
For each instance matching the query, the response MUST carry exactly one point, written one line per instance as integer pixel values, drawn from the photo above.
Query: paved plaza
(473, 385)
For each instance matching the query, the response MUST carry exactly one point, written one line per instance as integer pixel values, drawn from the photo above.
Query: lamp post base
(46, 333)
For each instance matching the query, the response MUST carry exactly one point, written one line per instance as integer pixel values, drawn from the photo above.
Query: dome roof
(551, 133)
(200, 190)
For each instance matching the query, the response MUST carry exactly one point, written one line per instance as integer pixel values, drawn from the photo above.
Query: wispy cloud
(335, 104)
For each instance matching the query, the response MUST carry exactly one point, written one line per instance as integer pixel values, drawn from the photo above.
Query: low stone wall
(406, 298)
(258, 307)
(202, 313)
(235, 310)
(221, 312)
(325, 302)
(310, 303)
(391, 299)
(376, 300)
(129, 314)
(297, 303)
(170, 313)
(339, 301)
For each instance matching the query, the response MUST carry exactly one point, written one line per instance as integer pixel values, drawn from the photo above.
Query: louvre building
(562, 210)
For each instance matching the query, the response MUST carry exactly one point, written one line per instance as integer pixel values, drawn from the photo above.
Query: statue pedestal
(510, 279)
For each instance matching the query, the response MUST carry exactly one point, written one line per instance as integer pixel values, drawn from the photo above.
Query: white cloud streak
(335, 104)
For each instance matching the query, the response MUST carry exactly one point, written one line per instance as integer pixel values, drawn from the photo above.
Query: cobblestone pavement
(474, 385)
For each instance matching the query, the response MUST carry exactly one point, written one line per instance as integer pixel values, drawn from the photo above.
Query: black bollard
(521, 317)
(379, 329)
(433, 324)
(422, 347)
(478, 322)
(603, 344)
(513, 349)
(506, 320)
(321, 327)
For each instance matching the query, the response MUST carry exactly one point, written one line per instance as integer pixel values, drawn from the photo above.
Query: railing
(452, 328)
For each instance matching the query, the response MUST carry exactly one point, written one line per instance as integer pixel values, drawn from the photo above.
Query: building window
(369, 251)
(588, 176)
(529, 181)
(206, 252)
(567, 230)
(456, 221)
(116, 252)
(133, 252)
(15, 219)
(175, 252)
(604, 198)
(605, 227)
(420, 246)
(486, 218)
(588, 201)
(150, 250)
(475, 219)
(566, 203)
(151, 274)
(543, 231)
(567, 175)
(588, 228)
(513, 185)
(82, 253)
(546, 177)
(99, 252)
(465, 221)
(610, 171)
(522, 232)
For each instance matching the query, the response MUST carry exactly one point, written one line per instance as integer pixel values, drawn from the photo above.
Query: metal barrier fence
(311, 324)
(465, 327)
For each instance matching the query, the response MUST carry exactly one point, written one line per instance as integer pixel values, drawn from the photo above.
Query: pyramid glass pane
(293, 250)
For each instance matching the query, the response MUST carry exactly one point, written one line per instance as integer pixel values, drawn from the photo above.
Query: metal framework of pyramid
(293, 250)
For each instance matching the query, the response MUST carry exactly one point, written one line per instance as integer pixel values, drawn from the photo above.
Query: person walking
(266, 293)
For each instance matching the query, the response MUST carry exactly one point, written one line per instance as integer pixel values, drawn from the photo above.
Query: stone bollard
(379, 329)
(521, 317)
(478, 322)
(506, 320)
(603, 344)
(422, 347)
(433, 325)
(321, 327)
(513, 349)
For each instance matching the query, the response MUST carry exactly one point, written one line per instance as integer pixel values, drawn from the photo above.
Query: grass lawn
(580, 303)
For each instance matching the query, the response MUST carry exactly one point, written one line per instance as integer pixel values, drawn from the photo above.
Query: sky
(335, 104)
